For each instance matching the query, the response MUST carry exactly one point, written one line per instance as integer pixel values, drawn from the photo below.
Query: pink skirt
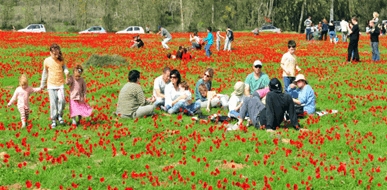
(77, 108)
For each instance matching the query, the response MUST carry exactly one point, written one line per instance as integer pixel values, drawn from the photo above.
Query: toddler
(78, 91)
(22, 95)
(183, 102)
(54, 66)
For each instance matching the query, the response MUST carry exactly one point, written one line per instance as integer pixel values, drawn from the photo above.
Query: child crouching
(78, 91)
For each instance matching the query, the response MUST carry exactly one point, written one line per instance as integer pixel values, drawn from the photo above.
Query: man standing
(159, 87)
(308, 24)
(374, 33)
(256, 80)
(344, 30)
(354, 41)
(229, 39)
(167, 37)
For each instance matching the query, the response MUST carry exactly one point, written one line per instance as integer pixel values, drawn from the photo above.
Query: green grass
(333, 139)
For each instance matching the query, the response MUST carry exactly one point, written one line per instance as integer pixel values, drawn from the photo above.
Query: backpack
(231, 38)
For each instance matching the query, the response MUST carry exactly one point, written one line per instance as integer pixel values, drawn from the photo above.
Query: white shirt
(171, 94)
(344, 26)
(197, 39)
(189, 97)
(159, 84)
(234, 102)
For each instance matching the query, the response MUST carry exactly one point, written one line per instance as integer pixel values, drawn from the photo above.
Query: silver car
(269, 28)
(34, 28)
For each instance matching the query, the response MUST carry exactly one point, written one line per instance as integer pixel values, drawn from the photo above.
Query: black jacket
(374, 34)
(355, 33)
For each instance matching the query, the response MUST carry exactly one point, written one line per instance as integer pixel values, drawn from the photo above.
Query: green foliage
(108, 22)
(105, 60)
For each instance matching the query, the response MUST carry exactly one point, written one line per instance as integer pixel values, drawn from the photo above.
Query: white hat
(300, 77)
(257, 62)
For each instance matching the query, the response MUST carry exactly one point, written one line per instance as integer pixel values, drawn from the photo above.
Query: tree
(7, 13)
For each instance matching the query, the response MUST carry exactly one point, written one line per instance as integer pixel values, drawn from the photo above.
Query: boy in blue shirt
(210, 39)
(304, 93)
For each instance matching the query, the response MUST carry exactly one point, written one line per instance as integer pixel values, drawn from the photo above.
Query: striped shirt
(131, 97)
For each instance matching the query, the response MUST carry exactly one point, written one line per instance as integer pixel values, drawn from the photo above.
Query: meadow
(345, 150)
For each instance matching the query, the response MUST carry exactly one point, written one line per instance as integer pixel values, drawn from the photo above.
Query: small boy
(213, 99)
(184, 88)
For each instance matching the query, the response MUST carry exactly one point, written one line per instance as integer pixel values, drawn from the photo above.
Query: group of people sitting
(182, 53)
(260, 99)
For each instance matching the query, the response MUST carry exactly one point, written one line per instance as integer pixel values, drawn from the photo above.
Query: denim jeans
(287, 82)
(332, 35)
(190, 109)
(308, 34)
(375, 51)
(235, 114)
(159, 102)
(207, 48)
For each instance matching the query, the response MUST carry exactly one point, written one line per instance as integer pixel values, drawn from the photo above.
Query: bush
(105, 60)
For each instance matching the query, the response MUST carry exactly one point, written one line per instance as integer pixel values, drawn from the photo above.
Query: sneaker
(163, 108)
(60, 119)
(233, 128)
(53, 124)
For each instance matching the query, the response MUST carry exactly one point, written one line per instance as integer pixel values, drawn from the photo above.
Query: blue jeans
(332, 34)
(375, 51)
(207, 48)
(190, 109)
(159, 103)
(235, 114)
(308, 34)
(287, 82)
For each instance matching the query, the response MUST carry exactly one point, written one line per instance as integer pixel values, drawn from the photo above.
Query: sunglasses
(173, 77)
(258, 66)
(207, 75)
(292, 46)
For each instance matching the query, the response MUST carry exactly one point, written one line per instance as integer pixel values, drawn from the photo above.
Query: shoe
(60, 119)
(233, 128)
(198, 112)
(163, 108)
(53, 124)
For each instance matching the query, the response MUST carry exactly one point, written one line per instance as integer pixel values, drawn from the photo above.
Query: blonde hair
(376, 14)
(325, 21)
(23, 79)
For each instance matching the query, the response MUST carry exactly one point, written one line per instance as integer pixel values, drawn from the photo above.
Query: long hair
(54, 48)
(177, 73)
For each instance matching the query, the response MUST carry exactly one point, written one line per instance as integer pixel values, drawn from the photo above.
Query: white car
(94, 29)
(132, 30)
(34, 28)
(269, 28)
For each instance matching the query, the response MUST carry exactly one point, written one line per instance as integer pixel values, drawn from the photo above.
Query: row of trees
(182, 15)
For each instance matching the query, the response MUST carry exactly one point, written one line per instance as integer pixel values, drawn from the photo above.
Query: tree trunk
(182, 18)
(301, 17)
(40, 11)
(270, 8)
(332, 15)
(259, 12)
(212, 19)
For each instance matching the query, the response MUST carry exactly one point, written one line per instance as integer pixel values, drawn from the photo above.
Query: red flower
(102, 179)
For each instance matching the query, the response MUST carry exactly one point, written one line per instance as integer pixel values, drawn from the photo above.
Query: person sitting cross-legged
(304, 93)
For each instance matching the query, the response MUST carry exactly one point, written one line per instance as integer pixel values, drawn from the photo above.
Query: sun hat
(257, 62)
(239, 88)
(300, 77)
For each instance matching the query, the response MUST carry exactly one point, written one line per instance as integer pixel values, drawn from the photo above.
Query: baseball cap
(159, 27)
(257, 62)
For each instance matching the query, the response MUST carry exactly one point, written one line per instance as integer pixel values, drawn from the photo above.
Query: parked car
(337, 26)
(94, 29)
(132, 30)
(34, 28)
(269, 28)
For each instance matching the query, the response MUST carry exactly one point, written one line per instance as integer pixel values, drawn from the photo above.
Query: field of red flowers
(345, 150)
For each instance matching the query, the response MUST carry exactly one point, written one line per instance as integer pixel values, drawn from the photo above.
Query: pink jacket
(23, 96)
(78, 88)
(262, 92)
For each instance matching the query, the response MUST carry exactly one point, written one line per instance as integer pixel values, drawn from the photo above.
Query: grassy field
(340, 151)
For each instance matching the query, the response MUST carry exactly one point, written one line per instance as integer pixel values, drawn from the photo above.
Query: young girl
(213, 99)
(22, 94)
(183, 102)
(218, 36)
(54, 66)
(78, 91)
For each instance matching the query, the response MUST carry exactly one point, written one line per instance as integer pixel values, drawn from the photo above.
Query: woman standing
(332, 31)
(324, 31)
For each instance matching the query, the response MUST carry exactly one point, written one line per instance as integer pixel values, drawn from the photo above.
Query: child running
(78, 91)
(54, 66)
(22, 94)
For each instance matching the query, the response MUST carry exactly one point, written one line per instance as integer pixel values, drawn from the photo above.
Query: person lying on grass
(213, 99)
